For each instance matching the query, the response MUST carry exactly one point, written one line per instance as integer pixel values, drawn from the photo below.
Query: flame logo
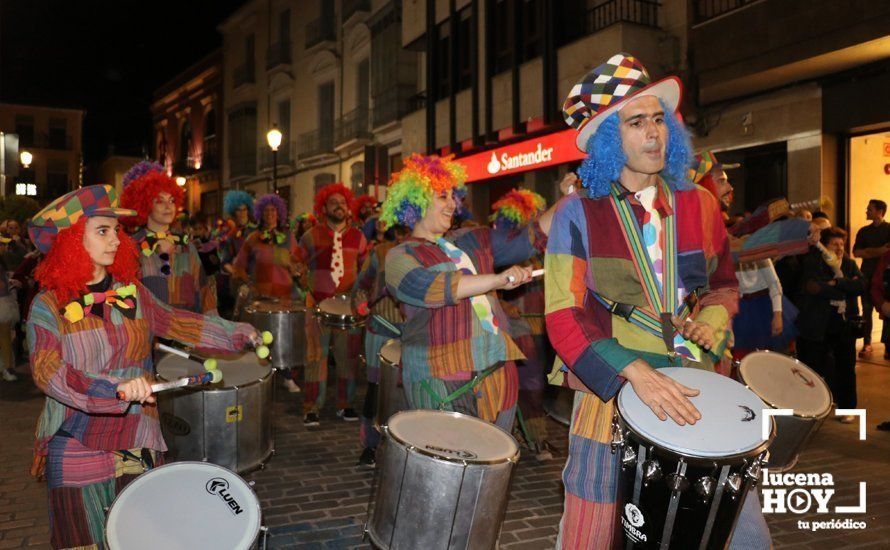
(494, 166)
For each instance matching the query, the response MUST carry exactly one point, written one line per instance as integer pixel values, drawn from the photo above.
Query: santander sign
(540, 152)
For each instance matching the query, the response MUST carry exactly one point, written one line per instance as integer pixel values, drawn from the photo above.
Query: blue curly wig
(234, 200)
(271, 198)
(140, 169)
(606, 158)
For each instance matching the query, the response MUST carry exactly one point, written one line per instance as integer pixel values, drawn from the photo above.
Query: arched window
(185, 143)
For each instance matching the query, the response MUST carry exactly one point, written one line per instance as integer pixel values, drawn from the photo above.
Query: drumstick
(262, 351)
(211, 377)
(535, 273)
(209, 364)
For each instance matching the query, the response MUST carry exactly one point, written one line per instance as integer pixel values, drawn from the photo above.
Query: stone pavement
(313, 496)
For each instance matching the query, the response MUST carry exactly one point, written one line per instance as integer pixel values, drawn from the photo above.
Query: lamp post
(273, 137)
(26, 157)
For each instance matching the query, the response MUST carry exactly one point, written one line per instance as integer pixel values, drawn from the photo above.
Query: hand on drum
(694, 331)
(515, 276)
(136, 389)
(665, 396)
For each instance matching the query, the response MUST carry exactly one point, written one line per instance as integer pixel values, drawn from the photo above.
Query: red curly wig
(363, 200)
(139, 195)
(67, 268)
(333, 189)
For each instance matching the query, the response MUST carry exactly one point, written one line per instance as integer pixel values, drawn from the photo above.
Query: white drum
(783, 382)
(684, 486)
(184, 506)
(444, 481)
(336, 312)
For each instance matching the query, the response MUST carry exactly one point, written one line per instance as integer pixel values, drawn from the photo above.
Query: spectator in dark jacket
(828, 299)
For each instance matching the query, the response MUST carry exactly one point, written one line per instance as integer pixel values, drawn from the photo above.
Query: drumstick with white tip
(211, 377)
(208, 363)
(535, 273)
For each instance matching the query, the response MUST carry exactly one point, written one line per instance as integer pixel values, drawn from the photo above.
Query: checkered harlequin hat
(606, 89)
(705, 162)
(62, 213)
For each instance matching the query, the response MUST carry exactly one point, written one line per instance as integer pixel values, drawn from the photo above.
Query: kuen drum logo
(220, 487)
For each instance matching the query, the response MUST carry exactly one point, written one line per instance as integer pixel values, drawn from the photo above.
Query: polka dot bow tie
(122, 299)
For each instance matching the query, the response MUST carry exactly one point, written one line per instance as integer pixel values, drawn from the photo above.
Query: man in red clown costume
(334, 249)
(90, 330)
(170, 265)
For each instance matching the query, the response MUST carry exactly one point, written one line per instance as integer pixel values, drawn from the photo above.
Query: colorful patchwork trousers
(347, 349)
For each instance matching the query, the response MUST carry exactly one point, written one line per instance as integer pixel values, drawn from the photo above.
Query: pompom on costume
(142, 185)
(412, 188)
(234, 200)
(327, 192)
(516, 208)
(85, 340)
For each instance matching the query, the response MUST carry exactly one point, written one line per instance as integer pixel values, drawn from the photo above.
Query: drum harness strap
(145, 459)
(659, 296)
(442, 402)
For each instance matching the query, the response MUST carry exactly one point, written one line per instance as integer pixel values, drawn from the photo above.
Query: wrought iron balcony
(286, 155)
(277, 54)
(352, 7)
(709, 9)
(353, 125)
(319, 31)
(392, 104)
(315, 143)
(245, 74)
(640, 12)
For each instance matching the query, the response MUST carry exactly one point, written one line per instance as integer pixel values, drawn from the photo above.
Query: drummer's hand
(664, 395)
(136, 389)
(520, 275)
(255, 339)
(568, 184)
(229, 268)
(777, 325)
(694, 331)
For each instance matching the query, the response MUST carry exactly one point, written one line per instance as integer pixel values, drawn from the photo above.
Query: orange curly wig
(333, 189)
(364, 200)
(139, 195)
(67, 268)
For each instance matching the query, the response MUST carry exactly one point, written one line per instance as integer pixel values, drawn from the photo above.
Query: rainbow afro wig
(412, 188)
(234, 200)
(330, 190)
(142, 184)
(516, 208)
(264, 201)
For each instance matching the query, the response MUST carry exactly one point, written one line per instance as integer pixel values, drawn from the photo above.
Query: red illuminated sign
(540, 152)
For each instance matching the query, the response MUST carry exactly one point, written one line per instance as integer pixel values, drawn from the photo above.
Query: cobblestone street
(313, 496)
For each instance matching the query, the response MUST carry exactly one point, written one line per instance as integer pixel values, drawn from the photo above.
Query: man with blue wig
(639, 238)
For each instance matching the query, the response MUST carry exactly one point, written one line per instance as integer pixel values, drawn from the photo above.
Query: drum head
(785, 383)
(186, 505)
(392, 351)
(336, 305)
(237, 370)
(273, 306)
(731, 416)
(452, 436)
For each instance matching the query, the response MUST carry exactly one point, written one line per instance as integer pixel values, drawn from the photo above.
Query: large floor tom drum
(783, 382)
(444, 482)
(228, 423)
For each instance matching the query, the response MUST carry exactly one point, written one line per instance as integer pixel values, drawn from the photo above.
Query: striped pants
(591, 482)
(347, 349)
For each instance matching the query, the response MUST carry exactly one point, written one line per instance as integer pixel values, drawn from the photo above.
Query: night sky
(105, 56)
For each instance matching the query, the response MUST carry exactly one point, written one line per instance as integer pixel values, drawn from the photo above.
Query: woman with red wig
(90, 330)
(334, 250)
(170, 264)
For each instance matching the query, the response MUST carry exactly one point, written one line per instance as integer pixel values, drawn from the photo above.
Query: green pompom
(267, 337)
(262, 352)
(210, 364)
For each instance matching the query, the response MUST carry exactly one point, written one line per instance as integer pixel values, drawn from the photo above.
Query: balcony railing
(709, 9)
(315, 143)
(320, 30)
(242, 165)
(641, 12)
(245, 74)
(286, 155)
(392, 104)
(353, 125)
(278, 54)
(351, 7)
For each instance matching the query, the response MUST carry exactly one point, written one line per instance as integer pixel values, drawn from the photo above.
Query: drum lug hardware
(651, 471)
(734, 483)
(705, 487)
(677, 482)
(753, 471)
(617, 435)
(629, 458)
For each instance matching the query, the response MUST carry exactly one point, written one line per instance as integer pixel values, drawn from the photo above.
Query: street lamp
(26, 157)
(273, 137)
(180, 181)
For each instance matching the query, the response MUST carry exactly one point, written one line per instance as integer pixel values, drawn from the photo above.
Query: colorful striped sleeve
(416, 285)
(574, 319)
(60, 380)
(204, 332)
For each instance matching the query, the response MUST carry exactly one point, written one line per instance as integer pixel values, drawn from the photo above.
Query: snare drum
(287, 322)
(444, 481)
(684, 486)
(229, 423)
(336, 312)
(184, 506)
(785, 383)
(391, 393)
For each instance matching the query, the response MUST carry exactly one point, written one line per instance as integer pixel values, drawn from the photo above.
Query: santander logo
(532, 154)
(494, 166)
(507, 162)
